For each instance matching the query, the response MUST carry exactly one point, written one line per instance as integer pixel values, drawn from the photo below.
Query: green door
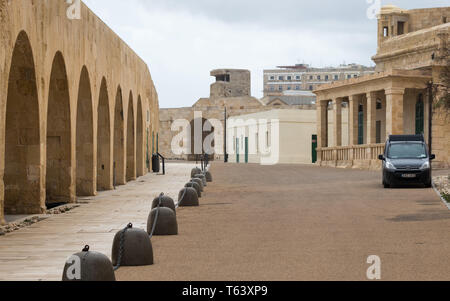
(420, 116)
(237, 150)
(314, 149)
(246, 149)
(361, 125)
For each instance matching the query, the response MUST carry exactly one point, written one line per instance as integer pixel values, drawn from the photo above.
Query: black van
(406, 160)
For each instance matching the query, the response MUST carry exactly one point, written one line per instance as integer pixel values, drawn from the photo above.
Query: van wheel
(428, 185)
(386, 185)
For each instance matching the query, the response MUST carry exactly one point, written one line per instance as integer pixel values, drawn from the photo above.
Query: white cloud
(182, 43)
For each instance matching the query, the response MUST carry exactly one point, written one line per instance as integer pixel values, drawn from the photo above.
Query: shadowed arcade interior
(131, 167)
(58, 176)
(103, 141)
(85, 138)
(22, 144)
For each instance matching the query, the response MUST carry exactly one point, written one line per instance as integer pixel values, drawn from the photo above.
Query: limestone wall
(44, 28)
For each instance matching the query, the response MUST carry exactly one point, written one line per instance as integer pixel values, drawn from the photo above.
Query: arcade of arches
(67, 126)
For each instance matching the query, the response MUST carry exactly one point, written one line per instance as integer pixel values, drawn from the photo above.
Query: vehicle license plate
(408, 175)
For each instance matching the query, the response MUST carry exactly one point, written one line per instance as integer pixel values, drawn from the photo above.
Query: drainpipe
(225, 138)
(430, 118)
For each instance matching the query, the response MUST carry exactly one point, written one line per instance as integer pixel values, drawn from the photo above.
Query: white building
(281, 136)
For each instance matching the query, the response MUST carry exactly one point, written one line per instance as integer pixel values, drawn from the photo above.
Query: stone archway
(139, 140)
(119, 148)
(85, 138)
(22, 178)
(103, 140)
(59, 165)
(131, 153)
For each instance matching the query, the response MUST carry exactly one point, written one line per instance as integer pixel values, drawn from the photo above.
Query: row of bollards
(132, 246)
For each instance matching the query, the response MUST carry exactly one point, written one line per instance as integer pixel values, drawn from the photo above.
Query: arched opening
(119, 148)
(139, 140)
(199, 134)
(85, 138)
(22, 140)
(131, 154)
(103, 141)
(58, 175)
(420, 115)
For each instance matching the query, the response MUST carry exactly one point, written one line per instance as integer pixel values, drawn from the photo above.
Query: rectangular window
(297, 77)
(326, 77)
(336, 77)
(272, 78)
(272, 88)
(280, 78)
(318, 77)
(289, 87)
(400, 28)
(289, 78)
(280, 88)
(297, 87)
(311, 77)
(311, 88)
(385, 32)
(378, 130)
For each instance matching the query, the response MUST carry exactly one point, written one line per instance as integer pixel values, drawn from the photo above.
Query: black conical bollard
(188, 197)
(165, 202)
(88, 266)
(199, 182)
(195, 171)
(196, 187)
(132, 247)
(208, 177)
(201, 177)
(162, 221)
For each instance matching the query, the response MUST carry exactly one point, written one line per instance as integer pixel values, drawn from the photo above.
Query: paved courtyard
(303, 223)
(254, 223)
(39, 251)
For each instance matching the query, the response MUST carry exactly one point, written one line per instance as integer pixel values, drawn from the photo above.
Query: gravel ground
(302, 223)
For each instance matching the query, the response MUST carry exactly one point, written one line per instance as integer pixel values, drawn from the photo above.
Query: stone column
(353, 119)
(371, 118)
(337, 110)
(394, 111)
(322, 123)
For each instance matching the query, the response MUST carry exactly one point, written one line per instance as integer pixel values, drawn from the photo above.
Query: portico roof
(392, 79)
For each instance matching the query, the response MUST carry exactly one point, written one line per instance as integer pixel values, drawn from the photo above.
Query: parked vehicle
(407, 160)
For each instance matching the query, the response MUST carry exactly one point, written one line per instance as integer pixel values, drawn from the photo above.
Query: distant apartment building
(295, 80)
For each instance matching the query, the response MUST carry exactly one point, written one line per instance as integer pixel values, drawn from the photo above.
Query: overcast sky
(183, 40)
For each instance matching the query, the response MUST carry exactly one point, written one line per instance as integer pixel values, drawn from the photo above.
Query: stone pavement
(39, 251)
(293, 222)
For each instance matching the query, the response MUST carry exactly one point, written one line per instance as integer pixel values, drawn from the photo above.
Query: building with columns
(398, 99)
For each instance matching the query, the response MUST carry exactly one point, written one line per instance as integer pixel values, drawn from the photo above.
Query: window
(379, 104)
(280, 77)
(297, 77)
(336, 77)
(272, 78)
(267, 138)
(355, 75)
(400, 28)
(326, 77)
(289, 78)
(310, 77)
(297, 88)
(311, 88)
(318, 77)
(272, 88)
(289, 88)
(349, 76)
(280, 88)
(385, 32)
